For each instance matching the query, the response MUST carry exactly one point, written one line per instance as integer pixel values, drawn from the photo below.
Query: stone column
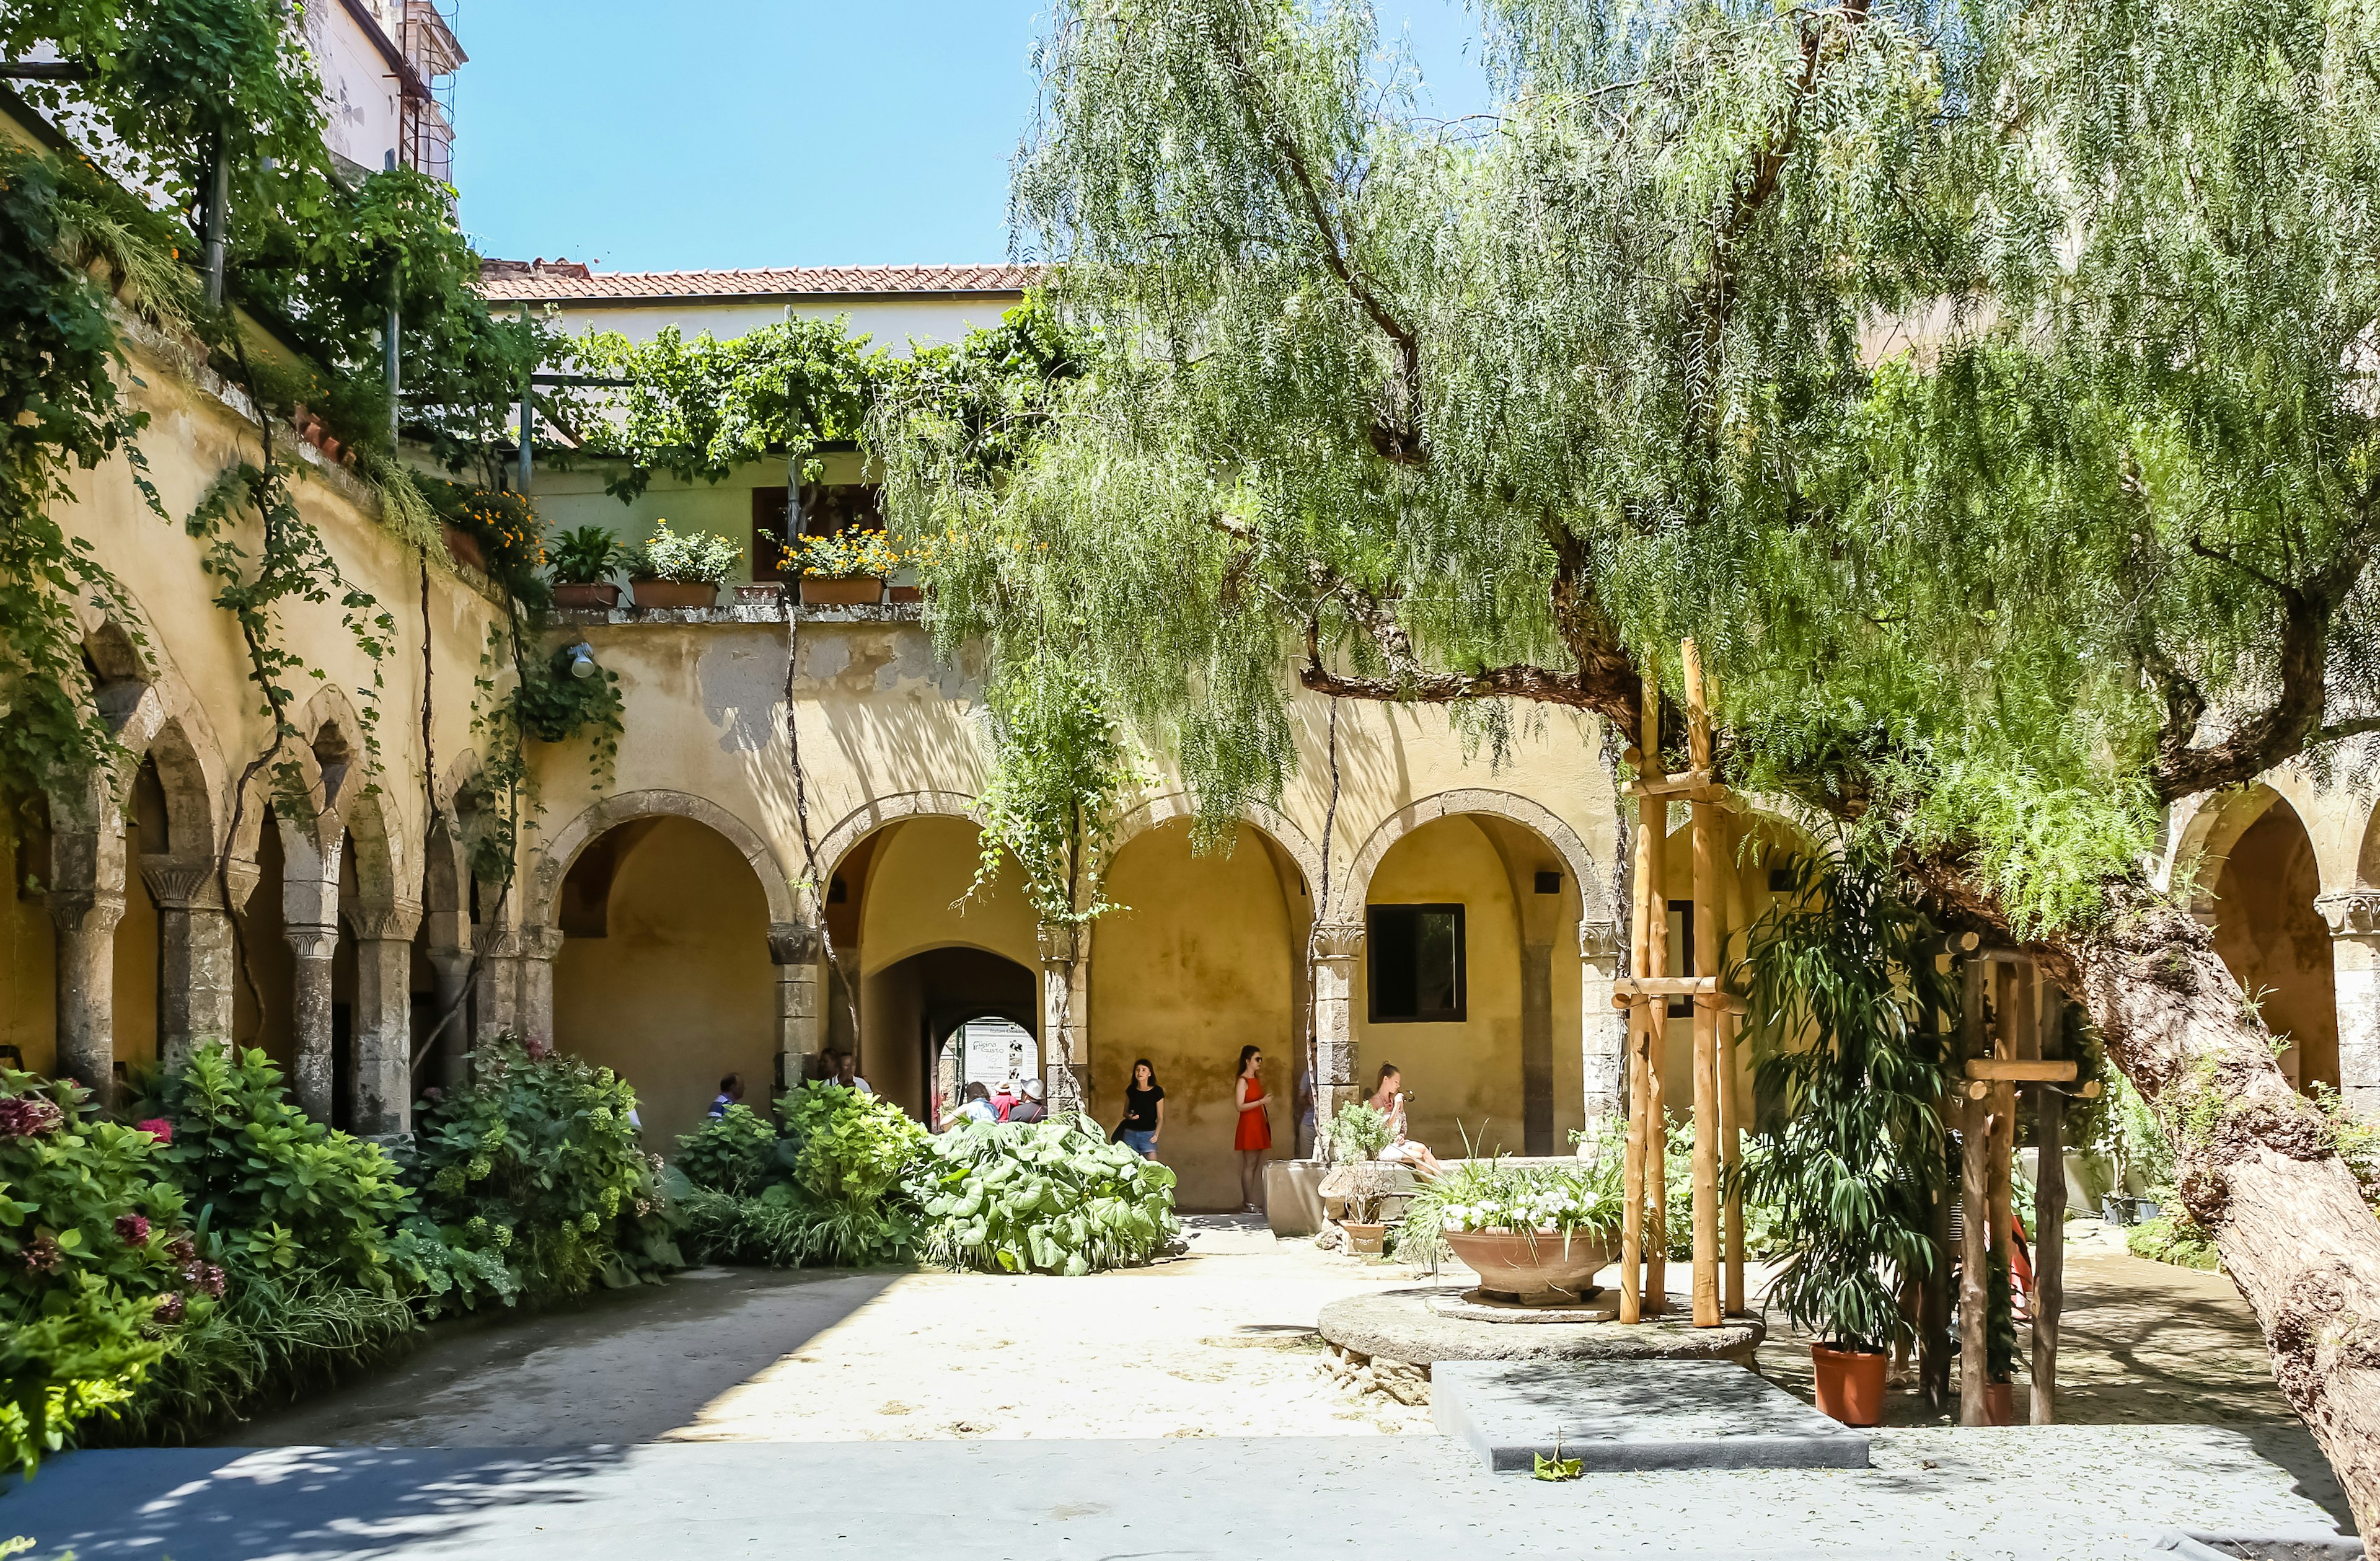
(2354, 918)
(198, 974)
(86, 900)
(798, 952)
(537, 947)
(1336, 944)
(497, 1000)
(1066, 1016)
(1603, 1040)
(450, 1048)
(383, 1028)
(309, 908)
(1538, 1048)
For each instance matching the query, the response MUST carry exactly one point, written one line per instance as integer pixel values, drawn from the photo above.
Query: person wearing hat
(1030, 1108)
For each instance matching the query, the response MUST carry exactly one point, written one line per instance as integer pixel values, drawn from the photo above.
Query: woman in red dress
(1254, 1135)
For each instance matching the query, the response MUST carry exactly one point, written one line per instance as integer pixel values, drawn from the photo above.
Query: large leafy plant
(95, 1268)
(536, 1163)
(830, 1189)
(694, 558)
(1049, 1196)
(274, 1191)
(1848, 1013)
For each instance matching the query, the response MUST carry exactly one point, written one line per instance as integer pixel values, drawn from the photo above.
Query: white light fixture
(582, 660)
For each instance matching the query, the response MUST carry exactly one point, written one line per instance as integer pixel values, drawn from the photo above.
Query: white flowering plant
(694, 558)
(1577, 1199)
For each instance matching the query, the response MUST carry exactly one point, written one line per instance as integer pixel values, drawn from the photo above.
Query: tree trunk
(2255, 1167)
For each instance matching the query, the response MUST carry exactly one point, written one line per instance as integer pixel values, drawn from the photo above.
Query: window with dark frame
(1415, 956)
(1682, 953)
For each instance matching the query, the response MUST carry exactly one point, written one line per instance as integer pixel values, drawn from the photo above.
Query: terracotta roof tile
(519, 281)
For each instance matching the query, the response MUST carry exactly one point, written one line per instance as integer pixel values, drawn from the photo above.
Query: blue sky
(803, 132)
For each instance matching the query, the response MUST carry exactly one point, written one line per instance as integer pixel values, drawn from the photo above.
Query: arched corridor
(2274, 940)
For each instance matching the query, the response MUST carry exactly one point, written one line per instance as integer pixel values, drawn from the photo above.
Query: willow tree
(1984, 387)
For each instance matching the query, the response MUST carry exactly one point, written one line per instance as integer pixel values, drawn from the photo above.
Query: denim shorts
(1143, 1144)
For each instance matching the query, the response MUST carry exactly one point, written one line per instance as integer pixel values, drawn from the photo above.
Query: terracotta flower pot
(1539, 1268)
(1363, 1239)
(905, 595)
(1999, 1403)
(865, 591)
(1851, 1383)
(656, 595)
(599, 596)
(463, 548)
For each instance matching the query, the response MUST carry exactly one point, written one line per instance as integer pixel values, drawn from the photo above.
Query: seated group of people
(1012, 1102)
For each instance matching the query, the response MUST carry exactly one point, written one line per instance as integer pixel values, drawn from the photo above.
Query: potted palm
(1845, 1007)
(682, 571)
(583, 561)
(847, 569)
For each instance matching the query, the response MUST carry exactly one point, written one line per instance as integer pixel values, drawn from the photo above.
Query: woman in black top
(1144, 1110)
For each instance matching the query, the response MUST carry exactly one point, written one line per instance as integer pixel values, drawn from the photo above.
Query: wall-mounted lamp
(582, 660)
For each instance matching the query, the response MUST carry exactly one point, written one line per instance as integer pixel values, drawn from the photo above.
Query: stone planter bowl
(1536, 1268)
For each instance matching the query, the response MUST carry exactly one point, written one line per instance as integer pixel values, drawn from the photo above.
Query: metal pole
(218, 198)
(396, 295)
(520, 480)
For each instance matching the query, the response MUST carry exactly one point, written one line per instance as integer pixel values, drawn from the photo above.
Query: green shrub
(1357, 1133)
(276, 1191)
(535, 1165)
(2173, 1239)
(1052, 1197)
(738, 1154)
(827, 1192)
(1582, 1199)
(96, 1270)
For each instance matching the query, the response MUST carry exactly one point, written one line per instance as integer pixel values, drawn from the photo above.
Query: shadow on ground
(623, 1366)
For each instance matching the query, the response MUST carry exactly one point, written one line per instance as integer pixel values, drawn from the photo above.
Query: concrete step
(1624, 1415)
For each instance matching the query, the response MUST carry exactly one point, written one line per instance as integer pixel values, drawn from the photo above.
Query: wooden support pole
(1974, 1259)
(1645, 913)
(1706, 827)
(1974, 1218)
(1653, 821)
(1730, 1137)
(2049, 1226)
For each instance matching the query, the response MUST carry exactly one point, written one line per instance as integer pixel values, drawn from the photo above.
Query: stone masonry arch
(1593, 891)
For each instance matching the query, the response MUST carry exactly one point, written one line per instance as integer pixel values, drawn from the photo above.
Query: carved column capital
(399, 921)
(541, 942)
(311, 942)
(796, 943)
(1598, 941)
(1063, 945)
(179, 884)
(1338, 940)
(91, 912)
(2352, 913)
(497, 943)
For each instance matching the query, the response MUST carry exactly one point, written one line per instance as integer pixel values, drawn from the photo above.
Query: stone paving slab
(1424, 1326)
(1623, 1415)
(2070, 1493)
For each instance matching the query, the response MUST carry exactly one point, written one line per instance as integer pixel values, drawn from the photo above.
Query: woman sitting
(1388, 1100)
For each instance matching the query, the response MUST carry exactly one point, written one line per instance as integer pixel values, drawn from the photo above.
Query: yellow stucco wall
(679, 989)
(1199, 965)
(27, 964)
(2277, 946)
(1465, 1079)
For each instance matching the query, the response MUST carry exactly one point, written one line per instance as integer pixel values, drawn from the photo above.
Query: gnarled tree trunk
(2255, 1167)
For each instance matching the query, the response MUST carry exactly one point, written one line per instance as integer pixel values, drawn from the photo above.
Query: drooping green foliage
(1060, 774)
(701, 410)
(1051, 1196)
(1981, 386)
(828, 1191)
(1848, 1015)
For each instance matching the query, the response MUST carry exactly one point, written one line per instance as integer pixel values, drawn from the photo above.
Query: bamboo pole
(1654, 829)
(1732, 1113)
(2048, 1228)
(1645, 903)
(1706, 1014)
(1974, 1216)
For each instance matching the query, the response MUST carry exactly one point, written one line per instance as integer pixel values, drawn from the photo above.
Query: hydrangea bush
(694, 558)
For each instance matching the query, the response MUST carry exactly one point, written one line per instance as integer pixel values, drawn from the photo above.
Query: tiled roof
(568, 282)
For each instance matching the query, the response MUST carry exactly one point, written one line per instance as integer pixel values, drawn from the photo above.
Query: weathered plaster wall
(678, 991)
(1199, 966)
(29, 1014)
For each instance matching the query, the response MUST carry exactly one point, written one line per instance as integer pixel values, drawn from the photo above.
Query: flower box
(653, 596)
(859, 591)
(599, 596)
(905, 595)
(463, 548)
